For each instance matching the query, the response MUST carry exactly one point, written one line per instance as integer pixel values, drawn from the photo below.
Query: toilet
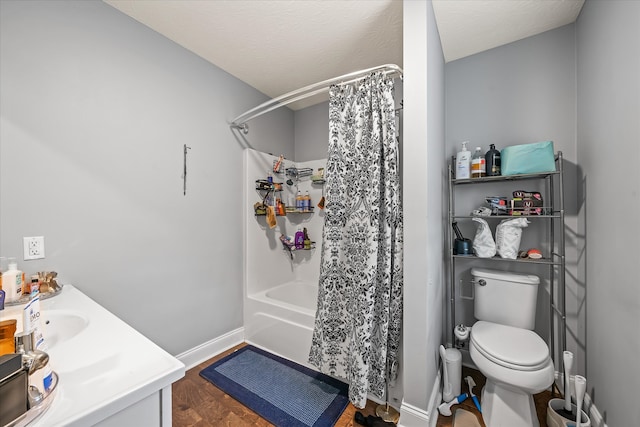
(503, 346)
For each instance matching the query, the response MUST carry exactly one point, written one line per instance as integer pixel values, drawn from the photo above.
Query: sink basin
(109, 373)
(61, 325)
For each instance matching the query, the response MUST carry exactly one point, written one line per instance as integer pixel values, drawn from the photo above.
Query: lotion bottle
(463, 162)
(12, 281)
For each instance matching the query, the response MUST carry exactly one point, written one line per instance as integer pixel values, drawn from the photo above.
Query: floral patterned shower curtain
(359, 314)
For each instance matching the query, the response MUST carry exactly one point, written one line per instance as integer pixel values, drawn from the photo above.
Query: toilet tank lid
(486, 273)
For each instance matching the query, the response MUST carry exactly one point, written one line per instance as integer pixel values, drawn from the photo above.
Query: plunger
(581, 386)
(567, 358)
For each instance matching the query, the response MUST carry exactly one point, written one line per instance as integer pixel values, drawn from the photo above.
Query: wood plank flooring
(198, 403)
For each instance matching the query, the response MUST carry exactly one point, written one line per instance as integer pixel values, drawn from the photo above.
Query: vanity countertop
(103, 364)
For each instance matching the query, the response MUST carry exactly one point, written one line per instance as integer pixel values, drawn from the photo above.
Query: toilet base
(507, 406)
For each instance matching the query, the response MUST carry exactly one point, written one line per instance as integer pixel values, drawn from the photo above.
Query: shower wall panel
(267, 263)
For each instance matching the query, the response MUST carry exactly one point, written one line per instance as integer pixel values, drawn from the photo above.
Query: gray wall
(312, 132)
(608, 127)
(94, 112)
(518, 93)
(434, 220)
(423, 173)
(579, 86)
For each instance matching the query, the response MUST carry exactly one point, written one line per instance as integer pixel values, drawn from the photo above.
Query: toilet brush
(567, 358)
(581, 387)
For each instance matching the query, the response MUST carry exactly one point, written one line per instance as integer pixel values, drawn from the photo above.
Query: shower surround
(280, 291)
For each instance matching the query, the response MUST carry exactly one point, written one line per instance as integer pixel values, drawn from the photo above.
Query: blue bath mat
(283, 392)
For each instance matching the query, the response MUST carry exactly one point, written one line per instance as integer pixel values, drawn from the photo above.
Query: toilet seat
(513, 348)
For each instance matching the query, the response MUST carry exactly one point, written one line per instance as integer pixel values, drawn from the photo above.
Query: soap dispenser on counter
(12, 280)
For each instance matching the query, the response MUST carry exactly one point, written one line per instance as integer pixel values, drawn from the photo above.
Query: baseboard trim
(594, 414)
(207, 350)
(412, 416)
(435, 399)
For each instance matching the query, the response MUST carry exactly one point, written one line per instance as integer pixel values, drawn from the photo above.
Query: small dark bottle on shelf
(492, 161)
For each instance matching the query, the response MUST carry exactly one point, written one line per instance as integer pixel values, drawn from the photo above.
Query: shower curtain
(357, 327)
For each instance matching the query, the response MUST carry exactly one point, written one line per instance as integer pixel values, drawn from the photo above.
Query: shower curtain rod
(240, 122)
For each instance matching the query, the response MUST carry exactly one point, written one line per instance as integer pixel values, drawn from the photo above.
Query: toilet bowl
(517, 364)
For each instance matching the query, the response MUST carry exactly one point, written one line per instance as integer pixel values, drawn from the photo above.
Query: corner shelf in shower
(269, 190)
(289, 213)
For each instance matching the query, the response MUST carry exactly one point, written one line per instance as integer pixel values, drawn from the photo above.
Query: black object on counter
(461, 246)
(14, 385)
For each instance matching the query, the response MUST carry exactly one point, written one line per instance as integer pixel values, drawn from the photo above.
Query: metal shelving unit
(555, 263)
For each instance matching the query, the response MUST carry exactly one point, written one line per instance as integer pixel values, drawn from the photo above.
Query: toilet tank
(505, 298)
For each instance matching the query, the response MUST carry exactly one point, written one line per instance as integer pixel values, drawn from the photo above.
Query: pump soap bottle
(12, 281)
(463, 162)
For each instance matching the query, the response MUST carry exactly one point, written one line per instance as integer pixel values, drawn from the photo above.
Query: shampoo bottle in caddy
(299, 239)
(306, 201)
(463, 162)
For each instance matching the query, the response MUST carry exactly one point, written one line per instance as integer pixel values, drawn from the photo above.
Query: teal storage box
(528, 158)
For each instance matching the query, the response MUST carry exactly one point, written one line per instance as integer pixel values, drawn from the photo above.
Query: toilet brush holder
(453, 366)
(554, 419)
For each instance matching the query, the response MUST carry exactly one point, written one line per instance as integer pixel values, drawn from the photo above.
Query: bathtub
(280, 319)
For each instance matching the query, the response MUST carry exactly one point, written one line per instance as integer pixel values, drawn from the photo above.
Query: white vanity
(109, 374)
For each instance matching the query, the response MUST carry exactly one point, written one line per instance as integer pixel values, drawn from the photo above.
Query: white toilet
(513, 358)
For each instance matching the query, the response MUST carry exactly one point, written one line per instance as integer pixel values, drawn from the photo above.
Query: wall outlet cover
(33, 247)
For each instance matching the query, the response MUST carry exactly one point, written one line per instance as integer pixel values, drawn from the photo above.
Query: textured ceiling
(277, 46)
(467, 27)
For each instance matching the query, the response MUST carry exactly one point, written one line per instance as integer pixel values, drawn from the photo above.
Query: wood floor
(198, 403)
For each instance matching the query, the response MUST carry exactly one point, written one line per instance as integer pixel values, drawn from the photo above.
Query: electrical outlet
(33, 247)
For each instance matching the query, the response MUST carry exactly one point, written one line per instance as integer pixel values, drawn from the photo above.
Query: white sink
(62, 325)
(104, 366)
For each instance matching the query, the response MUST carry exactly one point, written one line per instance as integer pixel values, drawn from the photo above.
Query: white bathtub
(281, 319)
